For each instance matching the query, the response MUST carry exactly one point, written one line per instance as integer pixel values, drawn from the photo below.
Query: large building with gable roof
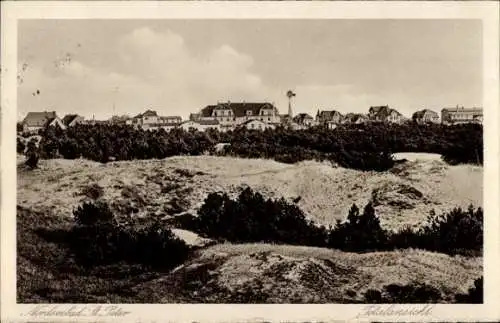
(231, 114)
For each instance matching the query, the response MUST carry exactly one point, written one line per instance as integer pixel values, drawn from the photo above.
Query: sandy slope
(403, 196)
(284, 274)
(249, 272)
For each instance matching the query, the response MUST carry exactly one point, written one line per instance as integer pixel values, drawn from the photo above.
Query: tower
(290, 95)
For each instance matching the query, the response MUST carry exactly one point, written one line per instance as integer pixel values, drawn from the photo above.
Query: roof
(208, 122)
(252, 120)
(239, 108)
(69, 118)
(382, 111)
(170, 117)
(39, 118)
(301, 117)
(354, 117)
(165, 124)
(202, 122)
(456, 109)
(328, 115)
(377, 109)
(421, 113)
(194, 116)
(149, 113)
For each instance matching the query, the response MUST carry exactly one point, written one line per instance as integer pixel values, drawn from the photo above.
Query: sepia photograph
(250, 161)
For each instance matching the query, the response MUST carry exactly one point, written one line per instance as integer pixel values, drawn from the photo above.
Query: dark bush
(454, 232)
(360, 232)
(412, 293)
(98, 240)
(474, 295)
(252, 218)
(32, 155)
(365, 160)
(373, 296)
(184, 221)
(90, 214)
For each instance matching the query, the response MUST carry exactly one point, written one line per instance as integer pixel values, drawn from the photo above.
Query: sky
(113, 67)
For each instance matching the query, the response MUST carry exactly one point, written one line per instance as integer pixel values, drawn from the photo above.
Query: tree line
(364, 146)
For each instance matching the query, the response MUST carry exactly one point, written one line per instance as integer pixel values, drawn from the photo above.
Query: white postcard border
(486, 11)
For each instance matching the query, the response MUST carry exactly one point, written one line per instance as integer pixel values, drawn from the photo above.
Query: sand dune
(404, 195)
(229, 273)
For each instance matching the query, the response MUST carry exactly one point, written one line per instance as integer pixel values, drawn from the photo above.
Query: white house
(257, 125)
(200, 125)
(151, 120)
(459, 115)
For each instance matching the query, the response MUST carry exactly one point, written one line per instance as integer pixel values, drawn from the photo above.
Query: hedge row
(364, 147)
(252, 218)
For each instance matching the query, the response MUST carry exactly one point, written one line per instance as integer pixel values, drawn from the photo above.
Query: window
(268, 119)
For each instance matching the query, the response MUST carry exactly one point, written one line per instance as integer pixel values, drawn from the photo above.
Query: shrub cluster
(360, 232)
(97, 239)
(455, 232)
(365, 147)
(414, 292)
(474, 295)
(252, 218)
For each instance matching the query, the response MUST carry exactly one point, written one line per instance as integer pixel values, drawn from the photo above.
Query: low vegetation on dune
(364, 147)
(229, 230)
(252, 218)
(160, 188)
(265, 273)
(97, 244)
(54, 269)
(91, 258)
